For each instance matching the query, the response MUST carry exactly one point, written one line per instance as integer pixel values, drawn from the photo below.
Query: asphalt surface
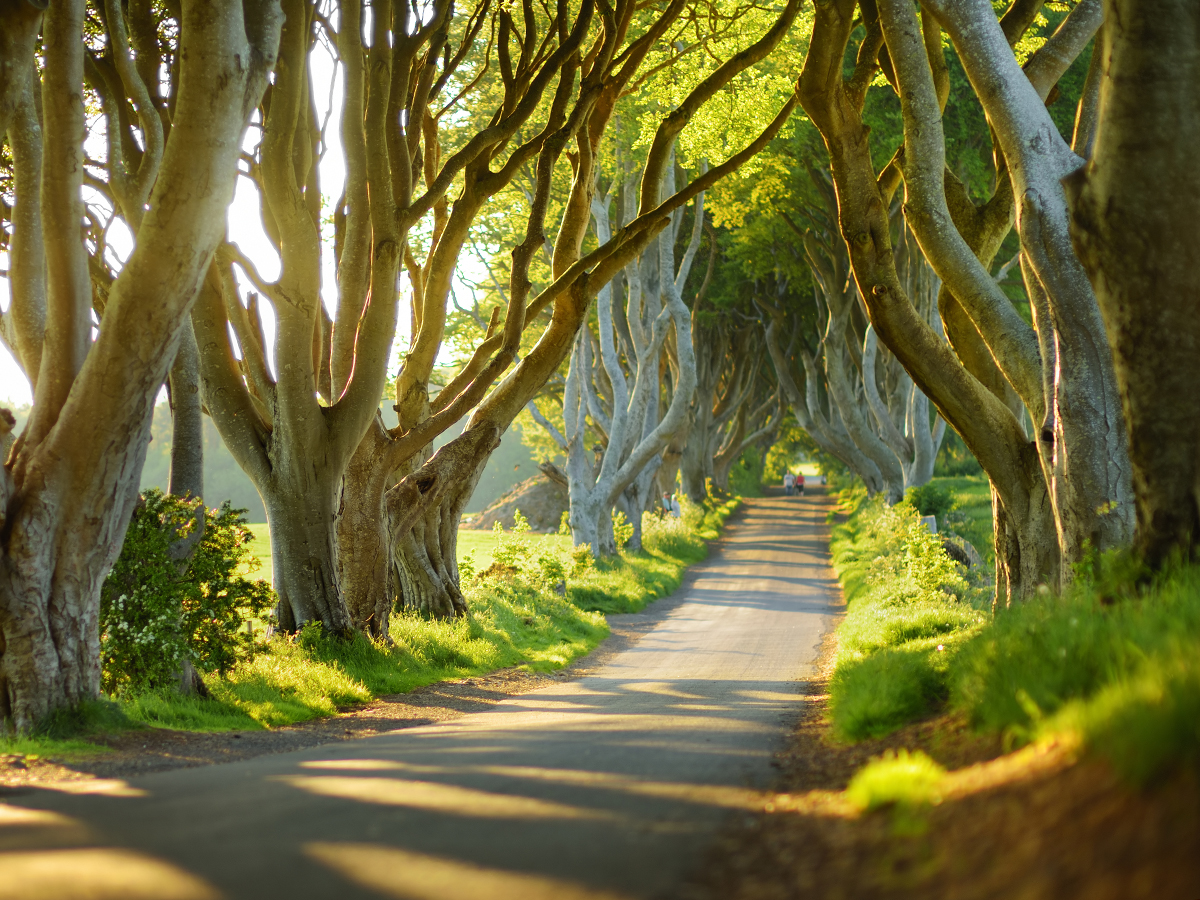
(609, 786)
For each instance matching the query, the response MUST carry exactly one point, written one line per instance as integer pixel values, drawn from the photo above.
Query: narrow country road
(608, 786)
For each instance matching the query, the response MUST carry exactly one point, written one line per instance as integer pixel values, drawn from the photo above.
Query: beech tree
(424, 508)
(560, 75)
(621, 391)
(1069, 490)
(735, 404)
(893, 438)
(1134, 205)
(126, 52)
(69, 484)
(853, 397)
(295, 430)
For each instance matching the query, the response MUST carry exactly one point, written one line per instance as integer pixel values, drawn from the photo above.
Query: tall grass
(1123, 674)
(908, 608)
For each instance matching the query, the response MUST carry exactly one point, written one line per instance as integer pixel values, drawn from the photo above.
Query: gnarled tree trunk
(423, 514)
(362, 536)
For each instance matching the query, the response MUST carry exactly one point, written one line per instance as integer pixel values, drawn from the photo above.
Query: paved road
(608, 786)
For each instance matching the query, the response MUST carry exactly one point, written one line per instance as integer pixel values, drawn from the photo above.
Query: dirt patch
(541, 500)
(1037, 823)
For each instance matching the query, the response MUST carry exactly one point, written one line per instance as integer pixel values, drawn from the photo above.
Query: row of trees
(577, 152)
(443, 111)
(951, 224)
(1079, 479)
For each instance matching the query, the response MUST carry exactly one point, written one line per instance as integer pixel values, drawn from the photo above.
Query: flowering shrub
(156, 611)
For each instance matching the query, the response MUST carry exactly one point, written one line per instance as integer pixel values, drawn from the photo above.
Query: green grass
(260, 547)
(972, 516)
(64, 735)
(510, 623)
(480, 545)
(897, 778)
(908, 611)
(513, 621)
(1125, 675)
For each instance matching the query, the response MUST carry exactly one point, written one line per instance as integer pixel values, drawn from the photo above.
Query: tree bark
(423, 515)
(362, 537)
(301, 503)
(66, 497)
(1135, 211)
(993, 433)
(186, 478)
(1089, 473)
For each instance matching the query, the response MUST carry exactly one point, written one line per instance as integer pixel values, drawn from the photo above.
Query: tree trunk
(423, 513)
(300, 514)
(632, 509)
(1026, 550)
(926, 441)
(187, 423)
(591, 524)
(1135, 212)
(66, 498)
(187, 468)
(864, 437)
(723, 459)
(691, 464)
(362, 537)
(50, 651)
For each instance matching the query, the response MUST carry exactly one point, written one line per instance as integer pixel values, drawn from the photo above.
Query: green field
(261, 548)
(470, 541)
(972, 514)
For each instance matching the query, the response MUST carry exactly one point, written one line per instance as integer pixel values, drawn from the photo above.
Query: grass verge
(908, 608)
(1113, 660)
(516, 618)
(1124, 675)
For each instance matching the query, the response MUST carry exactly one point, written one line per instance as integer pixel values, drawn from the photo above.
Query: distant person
(789, 483)
(800, 484)
(676, 507)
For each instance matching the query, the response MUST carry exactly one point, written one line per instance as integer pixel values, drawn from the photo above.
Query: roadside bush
(622, 530)
(930, 500)
(156, 612)
(909, 608)
(898, 777)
